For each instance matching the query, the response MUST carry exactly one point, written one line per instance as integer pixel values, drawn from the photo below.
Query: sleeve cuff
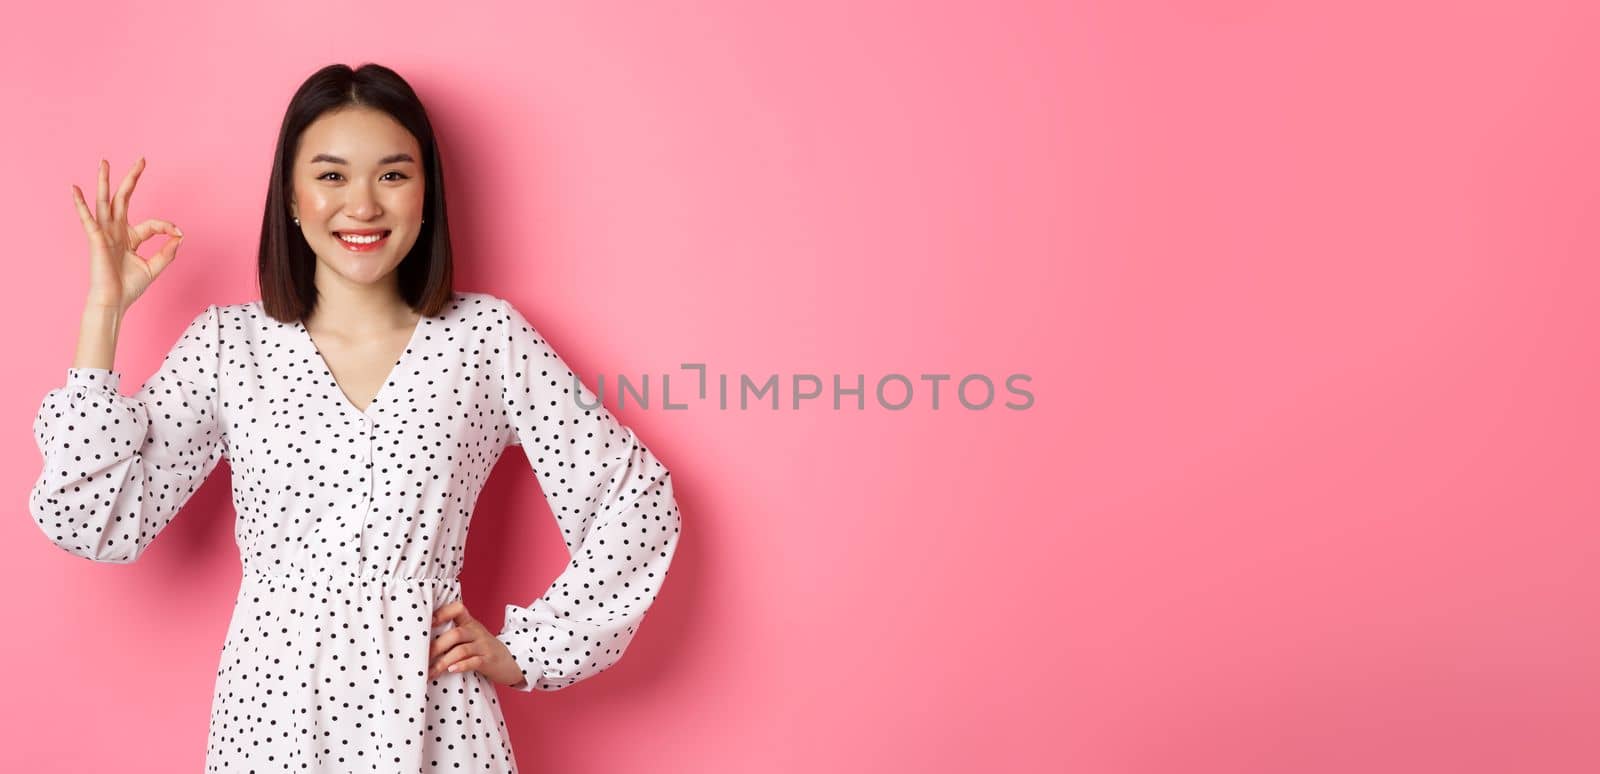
(528, 679)
(94, 378)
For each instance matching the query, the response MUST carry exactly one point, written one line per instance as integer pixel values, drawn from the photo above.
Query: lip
(367, 248)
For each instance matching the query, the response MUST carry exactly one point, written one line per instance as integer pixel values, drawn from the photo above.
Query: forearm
(97, 338)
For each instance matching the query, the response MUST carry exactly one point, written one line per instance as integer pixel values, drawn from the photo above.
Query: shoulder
(469, 305)
(496, 308)
(484, 312)
(474, 298)
(462, 302)
(474, 302)
(239, 311)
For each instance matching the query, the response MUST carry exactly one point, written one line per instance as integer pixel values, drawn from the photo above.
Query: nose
(360, 204)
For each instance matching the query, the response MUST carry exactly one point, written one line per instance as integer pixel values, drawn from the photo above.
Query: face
(358, 177)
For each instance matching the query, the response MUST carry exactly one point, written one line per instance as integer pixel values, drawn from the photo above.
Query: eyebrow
(393, 158)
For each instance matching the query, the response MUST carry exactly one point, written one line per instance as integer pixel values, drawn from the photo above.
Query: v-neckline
(333, 381)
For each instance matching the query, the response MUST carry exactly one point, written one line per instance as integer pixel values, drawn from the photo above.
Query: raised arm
(118, 468)
(612, 500)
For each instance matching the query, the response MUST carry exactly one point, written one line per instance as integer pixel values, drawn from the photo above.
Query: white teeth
(361, 240)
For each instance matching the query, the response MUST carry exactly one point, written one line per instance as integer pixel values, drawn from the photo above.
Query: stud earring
(297, 221)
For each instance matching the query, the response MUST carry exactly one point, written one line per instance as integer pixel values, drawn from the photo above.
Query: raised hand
(118, 275)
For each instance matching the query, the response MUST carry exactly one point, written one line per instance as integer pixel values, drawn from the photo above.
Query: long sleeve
(118, 468)
(612, 500)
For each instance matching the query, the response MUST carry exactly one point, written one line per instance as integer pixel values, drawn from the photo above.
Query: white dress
(351, 525)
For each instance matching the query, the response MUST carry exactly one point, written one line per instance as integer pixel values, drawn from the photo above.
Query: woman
(361, 404)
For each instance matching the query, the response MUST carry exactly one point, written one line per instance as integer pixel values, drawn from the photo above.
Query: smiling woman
(359, 202)
(356, 195)
(361, 404)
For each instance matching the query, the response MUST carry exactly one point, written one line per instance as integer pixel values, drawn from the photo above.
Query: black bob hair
(286, 268)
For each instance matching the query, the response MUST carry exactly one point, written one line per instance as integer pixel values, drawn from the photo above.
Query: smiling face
(358, 178)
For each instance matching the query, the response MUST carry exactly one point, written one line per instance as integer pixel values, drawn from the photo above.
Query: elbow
(93, 548)
(671, 520)
(90, 533)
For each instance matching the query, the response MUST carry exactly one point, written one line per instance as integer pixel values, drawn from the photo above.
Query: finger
(168, 253)
(102, 209)
(458, 653)
(449, 611)
(445, 642)
(150, 228)
(90, 227)
(119, 205)
(453, 655)
(471, 662)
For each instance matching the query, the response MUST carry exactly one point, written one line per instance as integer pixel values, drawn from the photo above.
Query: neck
(359, 310)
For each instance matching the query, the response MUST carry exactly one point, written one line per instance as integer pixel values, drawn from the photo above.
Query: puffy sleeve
(612, 500)
(118, 468)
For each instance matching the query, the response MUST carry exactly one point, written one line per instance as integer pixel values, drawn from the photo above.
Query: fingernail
(177, 231)
(452, 667)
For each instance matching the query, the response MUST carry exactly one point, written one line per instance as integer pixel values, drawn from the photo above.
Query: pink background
(1308, 296)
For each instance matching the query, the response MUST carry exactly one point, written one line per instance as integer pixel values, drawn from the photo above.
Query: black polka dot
(352, 525)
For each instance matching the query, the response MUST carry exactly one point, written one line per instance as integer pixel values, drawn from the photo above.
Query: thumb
(169, 252)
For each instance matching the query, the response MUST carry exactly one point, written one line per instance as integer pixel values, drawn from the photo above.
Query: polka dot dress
(352, 522)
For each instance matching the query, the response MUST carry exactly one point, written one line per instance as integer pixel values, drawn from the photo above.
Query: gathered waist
(317, 576)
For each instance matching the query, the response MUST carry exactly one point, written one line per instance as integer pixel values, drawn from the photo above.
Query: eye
(399, 175)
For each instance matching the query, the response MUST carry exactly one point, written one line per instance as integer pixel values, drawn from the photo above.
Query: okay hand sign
(118, 275)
